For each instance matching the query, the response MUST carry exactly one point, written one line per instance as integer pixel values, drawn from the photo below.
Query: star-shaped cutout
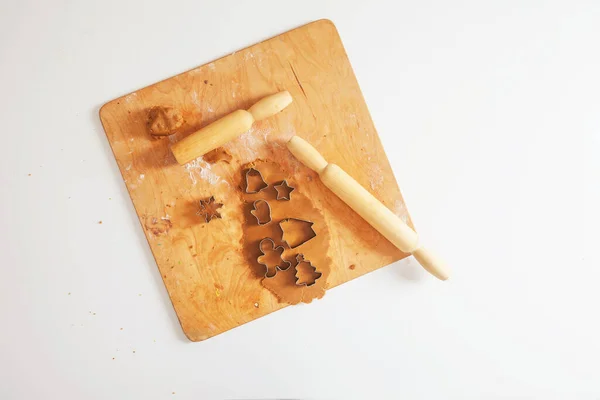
(209, 209)
(284, 191)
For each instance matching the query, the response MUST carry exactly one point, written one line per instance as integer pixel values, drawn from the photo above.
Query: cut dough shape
(306, 273)
(271, 258)
(284, 191)
(296, 231)
(209, 209)
(262, 211)
(255, 181)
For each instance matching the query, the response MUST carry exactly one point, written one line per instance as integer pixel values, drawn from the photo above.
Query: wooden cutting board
(207, 277)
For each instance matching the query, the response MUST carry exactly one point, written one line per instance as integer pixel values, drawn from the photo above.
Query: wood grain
(211, 284)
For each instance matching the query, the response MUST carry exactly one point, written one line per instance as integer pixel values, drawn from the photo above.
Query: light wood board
(204, 271)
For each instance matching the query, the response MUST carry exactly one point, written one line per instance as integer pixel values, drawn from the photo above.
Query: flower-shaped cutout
(209, 209)
(271, 258)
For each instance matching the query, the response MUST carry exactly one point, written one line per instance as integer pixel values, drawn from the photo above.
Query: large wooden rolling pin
(367, 206)
(227, 128)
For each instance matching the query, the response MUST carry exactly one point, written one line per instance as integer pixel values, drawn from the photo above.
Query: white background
(490, 114)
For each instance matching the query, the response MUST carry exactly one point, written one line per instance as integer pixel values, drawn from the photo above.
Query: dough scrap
(164, 121)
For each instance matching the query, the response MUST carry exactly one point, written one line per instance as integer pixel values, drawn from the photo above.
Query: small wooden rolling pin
(367, 206)
(227, 128)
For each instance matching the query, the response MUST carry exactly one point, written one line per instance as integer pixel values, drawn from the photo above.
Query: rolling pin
(367, 206)
(227, 128)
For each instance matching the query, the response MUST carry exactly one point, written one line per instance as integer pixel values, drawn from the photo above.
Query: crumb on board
(256, 305)
(99, 222)
(352, 266)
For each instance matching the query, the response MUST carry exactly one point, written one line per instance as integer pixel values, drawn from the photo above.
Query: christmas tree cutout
(306, 273)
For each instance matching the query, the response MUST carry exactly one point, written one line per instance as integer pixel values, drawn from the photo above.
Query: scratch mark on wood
(302, 89)
(298, 80)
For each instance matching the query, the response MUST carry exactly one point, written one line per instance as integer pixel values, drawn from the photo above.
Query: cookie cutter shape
(306, 273)
(258, 182)
(296, 231)
(209, 209)
(284, 190)
(271, 259)
(261, 210)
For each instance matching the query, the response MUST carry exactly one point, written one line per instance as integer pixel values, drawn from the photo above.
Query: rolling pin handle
(270, 105)
(307, 154)
(433, 264)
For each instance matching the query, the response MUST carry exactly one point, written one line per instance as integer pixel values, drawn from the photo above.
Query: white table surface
(490, 114)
